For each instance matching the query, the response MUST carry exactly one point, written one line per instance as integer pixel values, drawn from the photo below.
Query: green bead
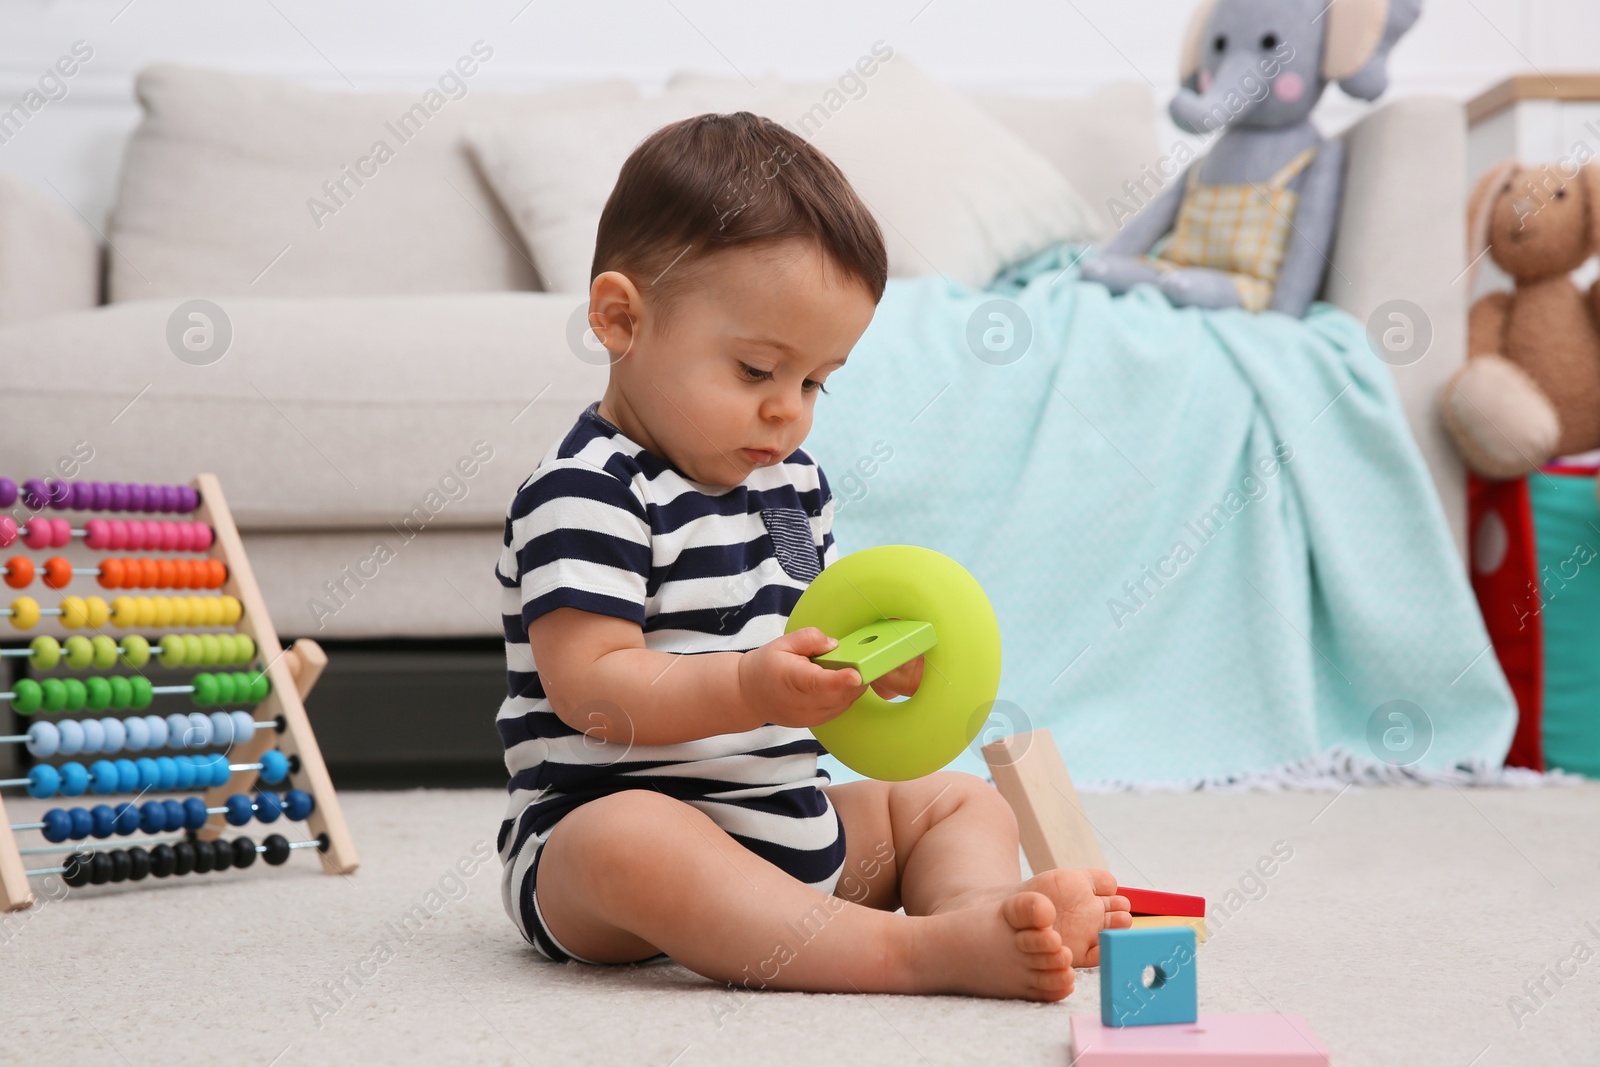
(121, 692)
(105, 651)
(135, 651)
(227, 685)
(205, 689)
(194, 651)
(26, 696)
(80, 653)
(141, 692)
(46, 653)
(77, 694)
(97, 693)
(260, 686)
(172, 650)
(55, 694)
(210, 651)
(245, 647)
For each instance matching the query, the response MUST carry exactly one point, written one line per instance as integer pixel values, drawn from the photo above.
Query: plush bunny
(1530, 390)
(1251, 224)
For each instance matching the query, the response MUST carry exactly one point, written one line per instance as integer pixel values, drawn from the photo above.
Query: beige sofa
(392, 375)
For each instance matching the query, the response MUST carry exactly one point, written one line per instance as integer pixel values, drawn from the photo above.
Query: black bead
(121, 866)
(77, 869)
(140, 861)
(183, 857)
(221, 854)
(205, 860)
(100, 869)
(162, 861)
(278, 850)
(244, 852)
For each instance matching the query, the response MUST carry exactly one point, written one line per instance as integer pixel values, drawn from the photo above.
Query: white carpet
(1401, 928)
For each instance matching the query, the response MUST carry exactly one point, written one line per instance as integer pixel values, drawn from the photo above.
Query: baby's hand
(780, 684)
(900, 682)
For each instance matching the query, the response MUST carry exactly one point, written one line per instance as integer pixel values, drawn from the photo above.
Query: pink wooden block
(1233, 1040)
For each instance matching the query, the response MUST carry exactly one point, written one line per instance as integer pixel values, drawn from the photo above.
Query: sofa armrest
(1402, 236)
(49, 260)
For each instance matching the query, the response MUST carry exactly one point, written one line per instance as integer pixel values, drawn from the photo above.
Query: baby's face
(732, 383)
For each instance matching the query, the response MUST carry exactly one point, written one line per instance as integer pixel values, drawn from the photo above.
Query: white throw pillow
(554, 172)
(953, 190)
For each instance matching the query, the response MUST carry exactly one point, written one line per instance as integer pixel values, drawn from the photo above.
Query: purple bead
(100, 497)
(191, 498)
(35, 495)
(153, 497)
(135, 497)
(119, 497)
(174, 496)
(8, 492)
(60, 492)
(82, 497)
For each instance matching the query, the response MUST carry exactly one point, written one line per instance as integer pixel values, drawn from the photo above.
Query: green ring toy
(889, 591)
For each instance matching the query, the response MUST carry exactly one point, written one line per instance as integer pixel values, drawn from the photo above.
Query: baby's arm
(602, 680)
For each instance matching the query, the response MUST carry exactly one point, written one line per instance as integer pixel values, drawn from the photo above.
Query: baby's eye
(809, 384)
(754, 374)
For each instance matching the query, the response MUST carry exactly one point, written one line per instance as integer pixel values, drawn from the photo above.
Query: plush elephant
(1250, 224)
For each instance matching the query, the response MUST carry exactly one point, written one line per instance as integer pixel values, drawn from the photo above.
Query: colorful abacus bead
(137, 733)
(135, 535)
(39, 493)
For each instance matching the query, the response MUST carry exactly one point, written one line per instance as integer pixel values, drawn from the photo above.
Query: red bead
(149, 573)
(19, 572)
(167, 571)
(57, 572)
(8, 531)
(99, 537)
(39, 534)
(118, 532)
(63, 532)
(169, 537)
(202, 537)
(219, 573)
(111, 573)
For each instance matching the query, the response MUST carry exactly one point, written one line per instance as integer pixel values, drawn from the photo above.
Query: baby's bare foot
(1008, 948)
(1085, 903)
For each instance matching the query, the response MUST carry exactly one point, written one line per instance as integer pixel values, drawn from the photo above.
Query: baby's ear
(614, 311)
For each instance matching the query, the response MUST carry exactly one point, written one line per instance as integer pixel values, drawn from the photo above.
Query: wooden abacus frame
(291, 672)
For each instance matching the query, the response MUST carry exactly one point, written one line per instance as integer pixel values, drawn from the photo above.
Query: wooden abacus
(272, 744)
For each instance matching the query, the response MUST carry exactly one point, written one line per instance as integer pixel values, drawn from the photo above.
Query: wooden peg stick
(1029, 773)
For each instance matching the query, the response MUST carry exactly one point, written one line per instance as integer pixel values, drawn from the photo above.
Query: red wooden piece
(1152, 902)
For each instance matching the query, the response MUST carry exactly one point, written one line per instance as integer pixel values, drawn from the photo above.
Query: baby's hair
(714, 182)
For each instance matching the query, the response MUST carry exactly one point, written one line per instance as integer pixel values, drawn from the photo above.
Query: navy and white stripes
(604, 526)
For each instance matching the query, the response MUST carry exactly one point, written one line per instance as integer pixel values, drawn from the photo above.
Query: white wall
(71, 148)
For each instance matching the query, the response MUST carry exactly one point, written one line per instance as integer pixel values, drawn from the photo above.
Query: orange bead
(19, 572)
(57, 572)
(111, 573)
(149, 573)
(167, 572)
(219, 573)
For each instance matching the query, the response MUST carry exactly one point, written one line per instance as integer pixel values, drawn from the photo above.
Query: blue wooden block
(1171, 996)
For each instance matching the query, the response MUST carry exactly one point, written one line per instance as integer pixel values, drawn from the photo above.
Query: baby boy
(665, 798)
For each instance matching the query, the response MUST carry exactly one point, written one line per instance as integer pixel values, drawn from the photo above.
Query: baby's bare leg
(955, 846)
(635, 872)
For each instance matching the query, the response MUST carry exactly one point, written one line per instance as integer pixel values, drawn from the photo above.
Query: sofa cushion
(222, 189)
(954, 191)
(49, 259)
(1097, 142)
(321, 414)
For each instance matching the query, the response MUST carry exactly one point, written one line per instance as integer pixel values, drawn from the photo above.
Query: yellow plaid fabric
(1240, 229)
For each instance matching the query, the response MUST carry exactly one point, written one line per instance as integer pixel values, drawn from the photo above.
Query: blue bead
(194, 812)
(185, 771)
(127, 818)
(82, 823)
(43, 781)
(297, 804)
(274, 767)
(169, 773)
(153, 817)
(219, 770)
(1124, 998)
(105, 776)
(268, 807)
(74, 779)
(57, 826)
(175, 816)
(105, 820)
(239, 810)
(149, 773)
(127, 776)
